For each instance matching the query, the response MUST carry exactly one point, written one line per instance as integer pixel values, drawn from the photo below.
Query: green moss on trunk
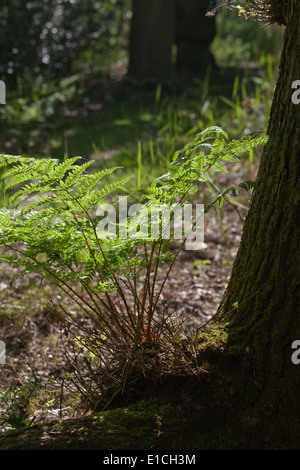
(262, 300)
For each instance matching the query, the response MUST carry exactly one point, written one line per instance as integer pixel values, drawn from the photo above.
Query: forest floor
(34, 340)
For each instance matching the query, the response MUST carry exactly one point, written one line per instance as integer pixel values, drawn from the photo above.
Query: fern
(52, 205)
(209, 150)
(50, 225)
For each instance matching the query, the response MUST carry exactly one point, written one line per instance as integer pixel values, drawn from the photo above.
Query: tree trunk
(151, 39)
(157, 26)
(194, 34)
(265, 280)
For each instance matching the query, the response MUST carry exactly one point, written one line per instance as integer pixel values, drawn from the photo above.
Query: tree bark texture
(265, 280)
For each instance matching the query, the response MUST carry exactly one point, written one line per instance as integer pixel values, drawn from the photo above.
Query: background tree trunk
(194, 34)
(265, 280)
(158, 25)
(151, 39)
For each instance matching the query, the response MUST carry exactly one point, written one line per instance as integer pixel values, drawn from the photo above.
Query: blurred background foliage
(50, 39)
(245, 43)
(65, 65)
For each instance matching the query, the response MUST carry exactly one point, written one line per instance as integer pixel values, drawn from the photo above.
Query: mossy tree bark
(265, 280)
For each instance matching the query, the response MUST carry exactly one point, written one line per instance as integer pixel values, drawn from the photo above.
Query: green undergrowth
(122, 343)
(141, 131)
(137, 128)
